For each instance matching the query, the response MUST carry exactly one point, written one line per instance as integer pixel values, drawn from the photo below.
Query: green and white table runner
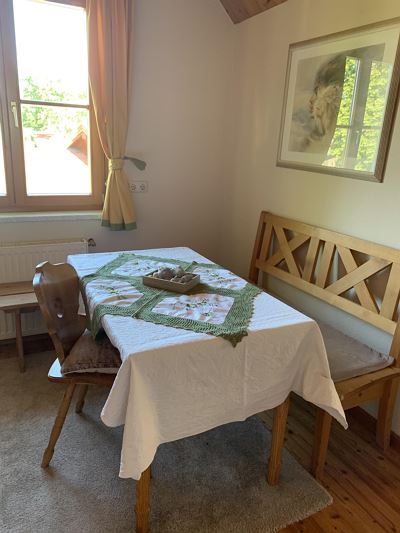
(221, 305)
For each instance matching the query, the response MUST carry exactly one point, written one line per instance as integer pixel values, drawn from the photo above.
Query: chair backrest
(57, 291)
(357, 276)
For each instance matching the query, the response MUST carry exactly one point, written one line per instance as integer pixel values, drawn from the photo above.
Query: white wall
(360, 208)
(182, 65)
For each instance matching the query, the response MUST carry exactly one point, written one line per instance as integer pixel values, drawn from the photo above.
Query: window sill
(60, 216)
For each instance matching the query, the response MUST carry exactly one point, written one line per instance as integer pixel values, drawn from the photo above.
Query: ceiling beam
(240, 10)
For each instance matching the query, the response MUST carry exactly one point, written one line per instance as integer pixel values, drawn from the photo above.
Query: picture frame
(340, 101)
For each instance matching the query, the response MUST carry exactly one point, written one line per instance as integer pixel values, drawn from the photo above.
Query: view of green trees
(374, 113)
(358, 128)
(338, 145)
(38, 118)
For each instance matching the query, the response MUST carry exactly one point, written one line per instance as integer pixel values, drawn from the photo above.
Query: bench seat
(348, 357)
(17, 298)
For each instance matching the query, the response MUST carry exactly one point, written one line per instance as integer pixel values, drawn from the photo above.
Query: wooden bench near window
(17, 298)
(359, 277)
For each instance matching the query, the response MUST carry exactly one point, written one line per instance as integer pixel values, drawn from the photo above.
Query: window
(50, 154)
(362, 109)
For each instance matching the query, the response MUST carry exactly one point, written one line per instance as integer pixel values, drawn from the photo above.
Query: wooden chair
(57, 291)
(359, 277)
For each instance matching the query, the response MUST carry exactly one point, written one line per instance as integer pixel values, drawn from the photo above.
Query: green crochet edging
(119, 227)
(129, 310)
(233, 329)
(107, 269)
(148, 293)
(236, 322)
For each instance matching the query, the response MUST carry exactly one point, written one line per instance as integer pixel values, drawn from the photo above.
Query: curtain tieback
(115, 164)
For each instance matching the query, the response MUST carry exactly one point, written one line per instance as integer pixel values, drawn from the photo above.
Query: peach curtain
(109, 27)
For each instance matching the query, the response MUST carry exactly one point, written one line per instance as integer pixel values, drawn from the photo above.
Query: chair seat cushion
(89, 355)
(348, 357)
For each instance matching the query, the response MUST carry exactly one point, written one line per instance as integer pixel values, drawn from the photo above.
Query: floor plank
(364, 483)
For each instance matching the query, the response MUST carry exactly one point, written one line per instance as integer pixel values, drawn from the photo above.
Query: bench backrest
(357, 276)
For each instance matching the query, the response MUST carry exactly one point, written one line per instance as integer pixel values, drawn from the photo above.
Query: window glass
(339, 144)
(56, 150)
(51, 51)
(53, 71)
(349, 91)
(362, 107)
(377, 94)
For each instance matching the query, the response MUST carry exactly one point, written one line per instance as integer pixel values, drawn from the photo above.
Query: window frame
(17, 199)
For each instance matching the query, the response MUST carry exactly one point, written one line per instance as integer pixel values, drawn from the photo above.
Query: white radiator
(17, 263)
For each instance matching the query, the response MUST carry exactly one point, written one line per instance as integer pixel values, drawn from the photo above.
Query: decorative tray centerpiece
(172, 279)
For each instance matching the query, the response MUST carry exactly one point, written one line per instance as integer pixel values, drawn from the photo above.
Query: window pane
(348, 91)
(368, 150)
(337, 151)
(378, 88)
(56, 150)
(51, 51)
(3, 189)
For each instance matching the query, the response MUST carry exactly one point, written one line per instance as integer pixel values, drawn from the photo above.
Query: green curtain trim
(233, 329)
(119, 227)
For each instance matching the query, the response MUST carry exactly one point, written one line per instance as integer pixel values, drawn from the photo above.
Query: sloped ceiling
(240, 10)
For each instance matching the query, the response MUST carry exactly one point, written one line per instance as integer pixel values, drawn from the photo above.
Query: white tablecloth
(174, 383)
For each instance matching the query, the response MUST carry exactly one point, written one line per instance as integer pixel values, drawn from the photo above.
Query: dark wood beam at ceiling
(240, 10)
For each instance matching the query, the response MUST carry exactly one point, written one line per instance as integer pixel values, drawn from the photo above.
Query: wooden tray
(172, 286)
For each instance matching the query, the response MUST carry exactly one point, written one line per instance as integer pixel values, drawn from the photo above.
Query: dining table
(191, 362)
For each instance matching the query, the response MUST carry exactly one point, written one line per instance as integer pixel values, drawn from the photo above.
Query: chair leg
(385, 415)
(58, 424)
(142, 507)
(81, 398)
(19, 341)
(323, 424)
(278, 436)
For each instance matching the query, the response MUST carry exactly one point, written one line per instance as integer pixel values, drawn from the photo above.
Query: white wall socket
(139, 186)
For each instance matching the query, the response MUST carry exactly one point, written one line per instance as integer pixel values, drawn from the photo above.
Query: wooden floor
(364, 484)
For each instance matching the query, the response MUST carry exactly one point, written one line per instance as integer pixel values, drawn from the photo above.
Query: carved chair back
(57, 291)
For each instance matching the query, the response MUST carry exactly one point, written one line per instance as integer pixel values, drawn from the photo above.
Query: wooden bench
(359, 277)
(17, 298)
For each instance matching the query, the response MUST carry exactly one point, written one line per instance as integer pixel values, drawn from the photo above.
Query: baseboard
(32, 344)
(368, 421)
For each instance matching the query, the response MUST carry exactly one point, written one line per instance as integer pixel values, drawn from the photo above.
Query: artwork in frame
(340, 102)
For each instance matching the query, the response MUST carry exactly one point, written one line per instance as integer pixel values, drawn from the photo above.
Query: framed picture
(340, 102)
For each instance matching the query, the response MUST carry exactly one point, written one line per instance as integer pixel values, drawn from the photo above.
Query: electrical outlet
(139, 186)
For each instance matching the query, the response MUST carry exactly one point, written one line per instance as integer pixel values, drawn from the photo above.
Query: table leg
(278, 436)
(19, 341)
(322, 431)
(142, 507)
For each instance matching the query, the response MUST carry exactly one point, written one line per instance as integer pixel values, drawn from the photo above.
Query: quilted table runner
(221, 305)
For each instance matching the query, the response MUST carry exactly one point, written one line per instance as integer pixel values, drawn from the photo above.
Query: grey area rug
(213, 482)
